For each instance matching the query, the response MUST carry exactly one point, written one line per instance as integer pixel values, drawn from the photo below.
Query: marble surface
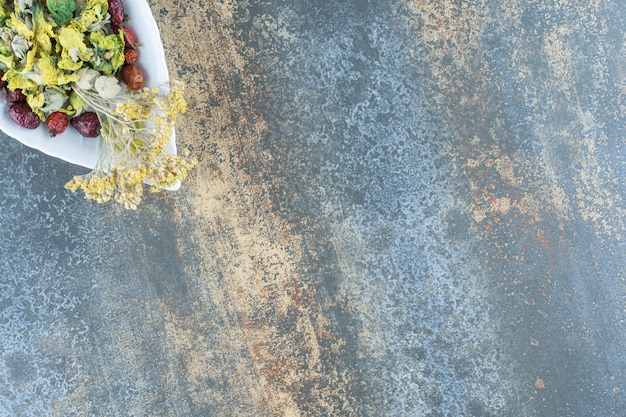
(401, 208)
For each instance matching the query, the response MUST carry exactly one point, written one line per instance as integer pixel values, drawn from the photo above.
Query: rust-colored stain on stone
(508, 182)
(278, 325)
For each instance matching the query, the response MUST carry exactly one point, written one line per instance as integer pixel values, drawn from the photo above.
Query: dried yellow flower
(136, 128)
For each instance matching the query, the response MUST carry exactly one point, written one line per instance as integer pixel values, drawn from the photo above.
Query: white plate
(70, 146)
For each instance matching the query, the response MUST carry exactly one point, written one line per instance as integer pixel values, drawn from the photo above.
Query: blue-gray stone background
(401, 208)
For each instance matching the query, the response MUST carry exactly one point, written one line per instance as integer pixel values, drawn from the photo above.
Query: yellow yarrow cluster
(136, 128)
(131, 111)
(95, 186)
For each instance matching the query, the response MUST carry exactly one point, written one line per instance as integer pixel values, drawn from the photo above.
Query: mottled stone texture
(401, 208)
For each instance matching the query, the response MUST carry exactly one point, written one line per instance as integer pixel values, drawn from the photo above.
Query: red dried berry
(22, 114)
(15, 96)
(116, 10)
(56, 123)
(130, 39)
(131, 55)
(132, 76)
(87, 124)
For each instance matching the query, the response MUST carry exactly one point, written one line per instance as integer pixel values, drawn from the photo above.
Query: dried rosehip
(87, 124)
(130, 39)
(116, 10)
(131, 55)
(56, 123)
(132, 76)
(15, 96)
(22, 114)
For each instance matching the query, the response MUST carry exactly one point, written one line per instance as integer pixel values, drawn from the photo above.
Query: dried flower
(136, 128)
